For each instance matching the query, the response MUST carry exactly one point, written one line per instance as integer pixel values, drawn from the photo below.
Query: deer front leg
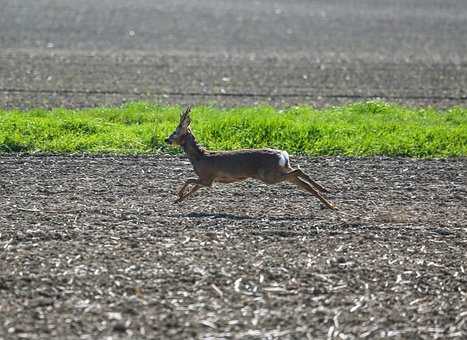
(192, 190)
(187, 183)
(198, 183)
(293, 178)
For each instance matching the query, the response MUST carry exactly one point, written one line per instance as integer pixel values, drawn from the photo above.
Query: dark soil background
(94, 247)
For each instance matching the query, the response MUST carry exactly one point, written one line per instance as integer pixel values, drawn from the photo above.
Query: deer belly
(229, 179)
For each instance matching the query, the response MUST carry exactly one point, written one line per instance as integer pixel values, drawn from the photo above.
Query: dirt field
(93, 247)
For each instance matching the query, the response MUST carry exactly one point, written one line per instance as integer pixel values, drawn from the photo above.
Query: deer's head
(183, 129)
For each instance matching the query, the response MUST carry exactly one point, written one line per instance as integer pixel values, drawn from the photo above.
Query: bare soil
(94, 247)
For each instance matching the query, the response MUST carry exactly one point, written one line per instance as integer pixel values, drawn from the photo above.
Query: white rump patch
(283, 158)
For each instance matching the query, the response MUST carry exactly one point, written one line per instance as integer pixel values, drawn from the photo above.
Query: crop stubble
(94, 247)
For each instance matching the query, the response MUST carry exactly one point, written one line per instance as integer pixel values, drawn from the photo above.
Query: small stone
(119, 327)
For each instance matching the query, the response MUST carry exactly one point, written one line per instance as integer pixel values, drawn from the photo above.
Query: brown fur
(234, 166)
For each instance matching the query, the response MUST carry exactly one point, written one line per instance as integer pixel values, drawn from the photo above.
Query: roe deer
(267, 165)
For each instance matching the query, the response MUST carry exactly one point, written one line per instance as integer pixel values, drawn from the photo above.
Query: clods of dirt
(94, 247)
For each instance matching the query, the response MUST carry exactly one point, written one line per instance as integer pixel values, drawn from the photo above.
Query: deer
(269, 166)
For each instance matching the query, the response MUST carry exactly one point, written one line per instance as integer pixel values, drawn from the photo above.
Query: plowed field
(94, 247)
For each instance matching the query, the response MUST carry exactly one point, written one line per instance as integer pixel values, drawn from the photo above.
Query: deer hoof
(326, 206)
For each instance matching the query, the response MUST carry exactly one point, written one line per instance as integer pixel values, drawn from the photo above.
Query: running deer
(267, 165)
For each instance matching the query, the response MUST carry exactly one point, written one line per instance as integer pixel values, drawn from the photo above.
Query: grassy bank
(361, 129)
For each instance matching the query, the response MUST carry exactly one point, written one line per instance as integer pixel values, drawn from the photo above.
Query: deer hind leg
(294, 178)
(307, 178)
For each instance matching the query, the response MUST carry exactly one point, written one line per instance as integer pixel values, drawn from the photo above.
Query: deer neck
(192, 149)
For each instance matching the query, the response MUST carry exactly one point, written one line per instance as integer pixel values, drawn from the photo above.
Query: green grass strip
(361, 129)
